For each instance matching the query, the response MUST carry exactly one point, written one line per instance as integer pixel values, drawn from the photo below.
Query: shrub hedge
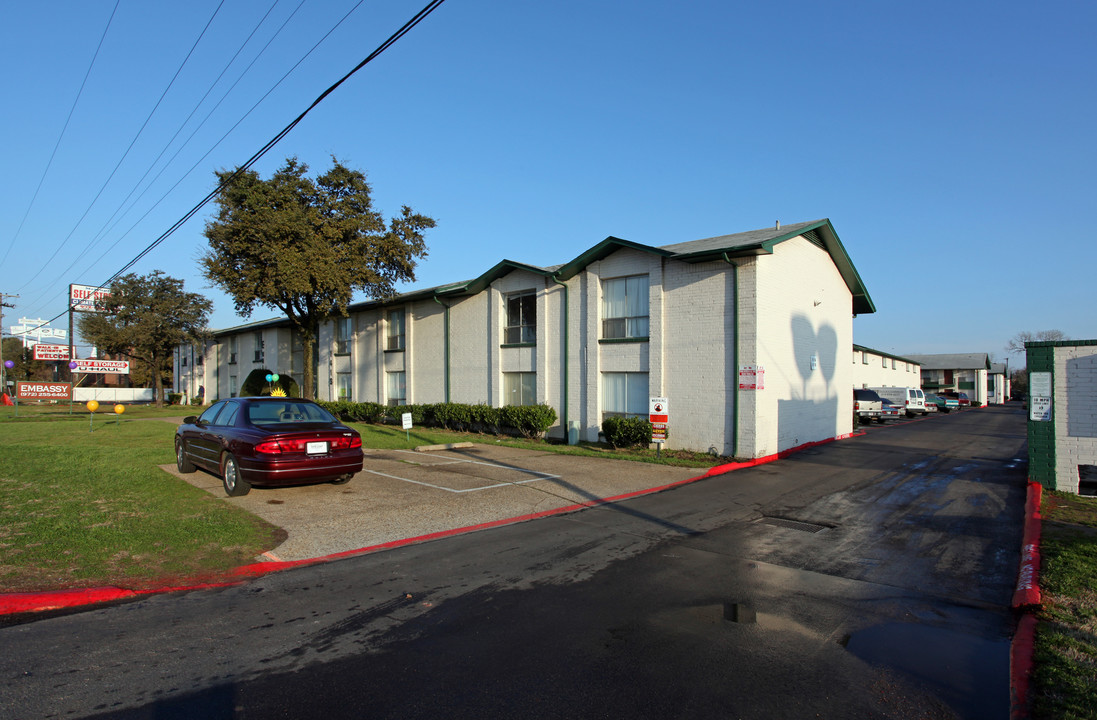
(531, 421)
(626, 431)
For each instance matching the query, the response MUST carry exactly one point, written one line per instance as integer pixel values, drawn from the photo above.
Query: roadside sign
(109, 367)
(406, 420)
(37, 390)
(87, 298)
(46, 351)
(659, 417)
(752, 377)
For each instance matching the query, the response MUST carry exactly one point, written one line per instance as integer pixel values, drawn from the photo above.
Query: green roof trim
(862, 348)
(603, 250)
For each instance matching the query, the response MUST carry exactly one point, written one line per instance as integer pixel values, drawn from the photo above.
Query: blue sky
(950, 144)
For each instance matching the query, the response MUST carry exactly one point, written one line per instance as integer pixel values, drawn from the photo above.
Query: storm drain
(792, 524)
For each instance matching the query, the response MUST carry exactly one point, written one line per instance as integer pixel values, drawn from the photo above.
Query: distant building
(875, 368)
(998, 384)
(962, 372)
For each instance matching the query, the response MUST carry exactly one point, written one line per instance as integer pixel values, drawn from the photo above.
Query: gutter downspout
(566, 387)
(735, 357)
(445, 332)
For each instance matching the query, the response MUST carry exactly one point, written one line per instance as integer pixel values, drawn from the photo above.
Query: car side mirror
(190, 420)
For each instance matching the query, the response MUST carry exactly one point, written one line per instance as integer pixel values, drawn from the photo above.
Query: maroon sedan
(268, 441)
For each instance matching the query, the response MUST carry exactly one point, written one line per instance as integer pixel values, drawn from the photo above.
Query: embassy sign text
(32, 390)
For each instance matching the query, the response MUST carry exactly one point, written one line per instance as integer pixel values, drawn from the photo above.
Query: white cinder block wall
(1074, 403)
(805, 330)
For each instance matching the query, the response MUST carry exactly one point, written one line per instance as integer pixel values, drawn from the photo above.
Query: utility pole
(3, 384)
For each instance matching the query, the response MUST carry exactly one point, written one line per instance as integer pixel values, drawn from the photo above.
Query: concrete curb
(15, 603)
(1026, 599)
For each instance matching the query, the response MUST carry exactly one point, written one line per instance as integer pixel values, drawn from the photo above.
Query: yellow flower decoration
(278, 392)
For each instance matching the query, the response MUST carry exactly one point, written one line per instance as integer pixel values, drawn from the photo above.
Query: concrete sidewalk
(402, 494)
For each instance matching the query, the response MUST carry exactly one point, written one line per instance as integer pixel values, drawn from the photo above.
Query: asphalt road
(867, 578)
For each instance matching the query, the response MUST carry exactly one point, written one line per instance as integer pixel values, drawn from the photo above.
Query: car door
(204, 445)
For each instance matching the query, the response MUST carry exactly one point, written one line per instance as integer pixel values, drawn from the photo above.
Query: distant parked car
(962, 400)
(268, 441)
(912, 400)
(931, 402)
(867, 406)
(892, 411)
(947, 403)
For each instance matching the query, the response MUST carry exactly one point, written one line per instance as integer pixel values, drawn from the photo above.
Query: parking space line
(540, 476)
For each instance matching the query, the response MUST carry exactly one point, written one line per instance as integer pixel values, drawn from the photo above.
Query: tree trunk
(157, 383)
(308, 342)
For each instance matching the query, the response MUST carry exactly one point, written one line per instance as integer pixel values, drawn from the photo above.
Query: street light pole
(3, 385)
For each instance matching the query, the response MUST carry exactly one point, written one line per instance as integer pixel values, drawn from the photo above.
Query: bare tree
(1016, 343)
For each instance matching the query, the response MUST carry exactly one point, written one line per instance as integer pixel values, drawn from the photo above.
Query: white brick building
(747, 336)
(875, 368)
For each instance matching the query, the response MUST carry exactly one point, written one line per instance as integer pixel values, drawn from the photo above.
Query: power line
(62, 135)
(405, 29)
(132, 143)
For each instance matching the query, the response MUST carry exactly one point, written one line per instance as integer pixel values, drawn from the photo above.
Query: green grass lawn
(1064, 683)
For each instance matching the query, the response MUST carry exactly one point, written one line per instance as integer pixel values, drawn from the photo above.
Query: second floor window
(521, 319)
(258, 347)
(232, 350)
(394, 330)
(344, 334)
(625, 307)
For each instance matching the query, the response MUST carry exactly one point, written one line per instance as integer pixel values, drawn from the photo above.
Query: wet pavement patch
(969, 673)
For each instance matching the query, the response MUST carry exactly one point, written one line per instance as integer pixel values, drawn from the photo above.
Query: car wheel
(181, 460)
(342, 480)
(235, 484)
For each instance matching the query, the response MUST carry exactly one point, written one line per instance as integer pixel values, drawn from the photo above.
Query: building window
(258, 347)
(183, 362)
(625, 394)
(232, 386)
(394, 330)
(519, 388)
(883, 362)
(397, 388)
(521, 319)
(344, 334)
(893, 363)
(625, 307)
(343, 386)
(232, 350)
(864, 358)
(198, 360)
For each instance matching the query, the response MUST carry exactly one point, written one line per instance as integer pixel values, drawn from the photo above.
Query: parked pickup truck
(867, 406)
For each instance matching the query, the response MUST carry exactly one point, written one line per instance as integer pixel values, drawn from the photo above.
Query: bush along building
(746, 335)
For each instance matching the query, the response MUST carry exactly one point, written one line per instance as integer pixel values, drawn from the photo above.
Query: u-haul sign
(112, 367)
(34, 390)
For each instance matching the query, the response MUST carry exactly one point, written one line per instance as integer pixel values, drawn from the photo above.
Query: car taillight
(298, 445)
(856, 406)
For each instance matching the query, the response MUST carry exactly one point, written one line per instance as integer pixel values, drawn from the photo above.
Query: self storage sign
(111, 367)
(31, 390)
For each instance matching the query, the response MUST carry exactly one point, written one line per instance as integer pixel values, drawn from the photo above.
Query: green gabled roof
(762, 242)
(600, 252)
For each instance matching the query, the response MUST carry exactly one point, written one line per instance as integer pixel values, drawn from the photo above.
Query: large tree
(145, 318)
(304, 246)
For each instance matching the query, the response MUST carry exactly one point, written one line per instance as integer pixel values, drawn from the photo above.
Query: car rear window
(277, 413)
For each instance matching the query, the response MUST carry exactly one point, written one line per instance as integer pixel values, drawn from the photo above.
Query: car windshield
(286, 412)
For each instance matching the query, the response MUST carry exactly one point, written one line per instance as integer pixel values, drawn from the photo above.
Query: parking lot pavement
(403, 494)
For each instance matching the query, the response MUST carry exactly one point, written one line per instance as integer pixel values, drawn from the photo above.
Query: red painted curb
(12, 603)
(1026, 597)
(1028, 586)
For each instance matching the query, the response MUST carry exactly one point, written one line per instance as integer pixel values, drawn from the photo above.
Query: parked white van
(913, 399)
